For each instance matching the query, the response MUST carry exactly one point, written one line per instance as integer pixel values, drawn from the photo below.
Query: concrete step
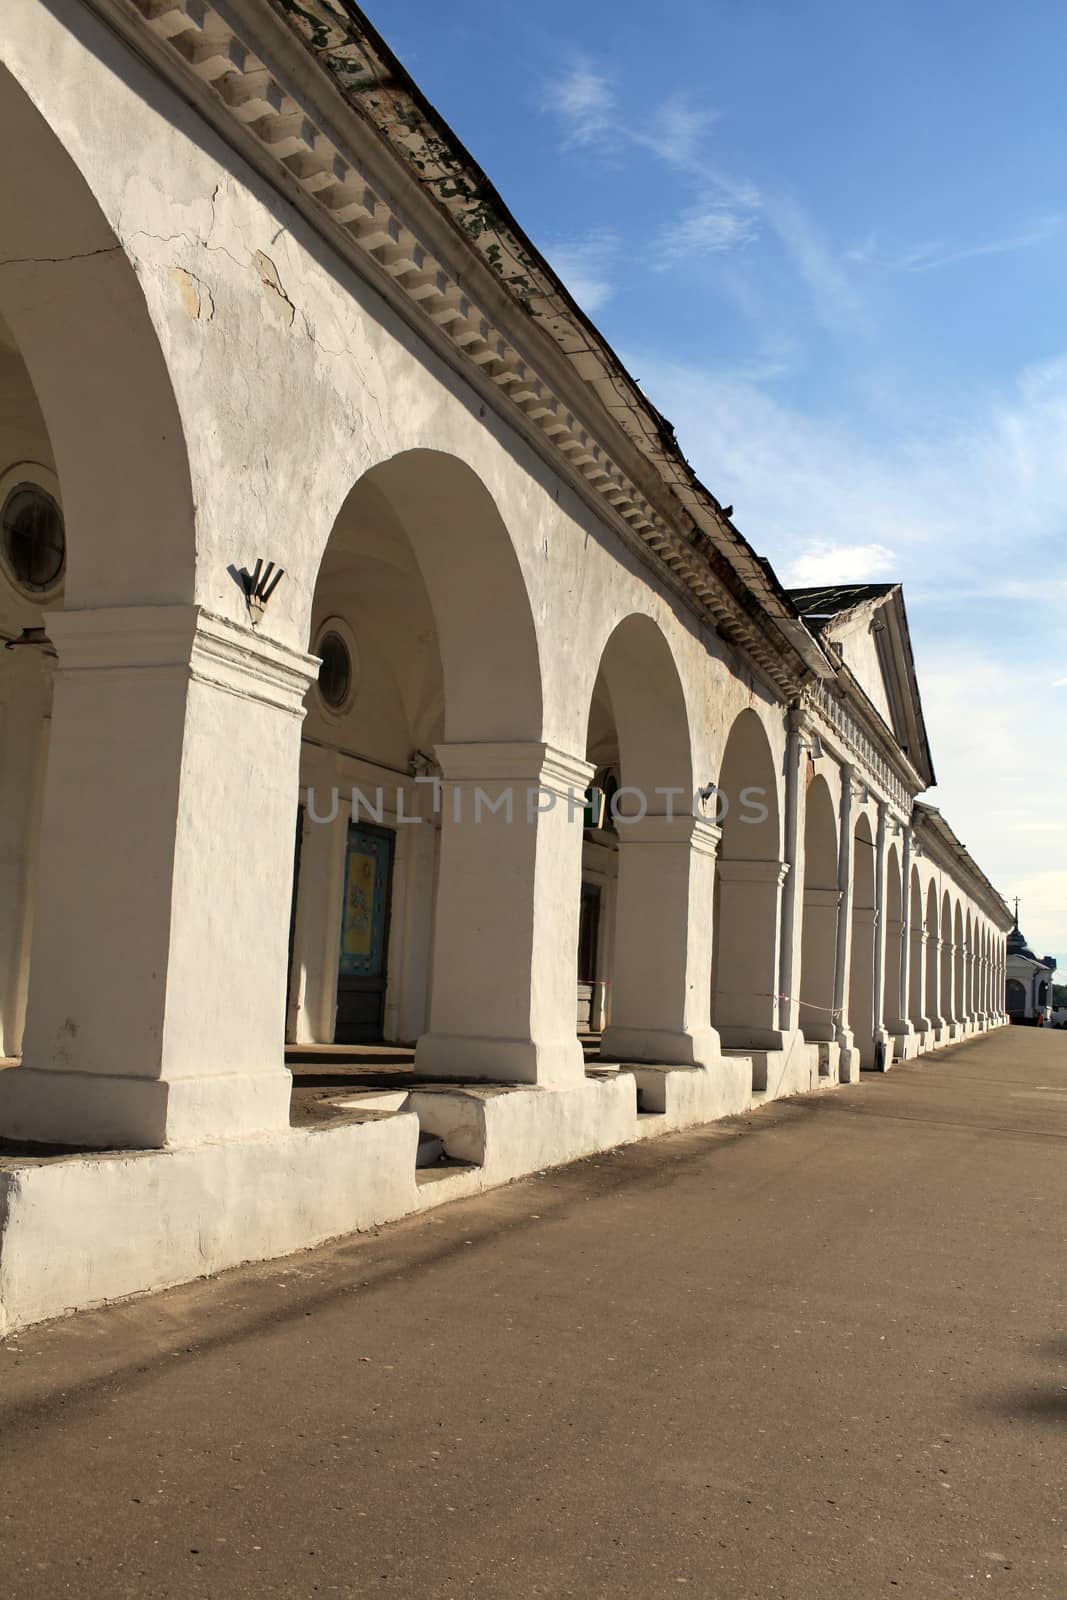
(373, 1100)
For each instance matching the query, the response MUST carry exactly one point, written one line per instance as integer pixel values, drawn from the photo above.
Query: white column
(848, 1069)
(901, 1026)
(661, 977)
(417, 843)
(947, 990)
(882, 1039)
(157, 987)
(320, 896)
(934, 1010)
(506, 933)
(980, 975)
(917, 979)
(792, 911)
(25, 710)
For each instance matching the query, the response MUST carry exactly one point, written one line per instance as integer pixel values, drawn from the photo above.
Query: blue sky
(831, 241)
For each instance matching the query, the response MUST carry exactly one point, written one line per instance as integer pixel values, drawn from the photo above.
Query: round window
(335, 674)
(34, 540)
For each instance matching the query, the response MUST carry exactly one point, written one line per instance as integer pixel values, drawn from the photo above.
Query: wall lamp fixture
(259, 585)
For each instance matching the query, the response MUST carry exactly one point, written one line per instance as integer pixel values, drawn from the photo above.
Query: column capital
(183, 640)
(520, 761)
(752, 871)
(830, 898)
(697, 832)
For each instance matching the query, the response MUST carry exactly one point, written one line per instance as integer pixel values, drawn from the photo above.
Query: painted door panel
(361, 974)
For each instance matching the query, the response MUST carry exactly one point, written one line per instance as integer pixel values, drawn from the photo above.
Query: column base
(98, 1111)
(661, 1046)
(559, 1064)
(744, 1036)
(904, 1040)
(848, 1057)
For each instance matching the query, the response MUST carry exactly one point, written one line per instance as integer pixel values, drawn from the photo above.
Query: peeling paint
(268, 276)
(195, 296)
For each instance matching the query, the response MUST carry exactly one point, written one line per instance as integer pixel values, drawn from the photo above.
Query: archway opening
(636, 852)
(748, 882)
(959, 987)
(32, 579)
(948, 998)
(97, 512)
(894, 946)
(864, 918)
(933, 959)
(422, 624)
(822, 898)
(916, 956)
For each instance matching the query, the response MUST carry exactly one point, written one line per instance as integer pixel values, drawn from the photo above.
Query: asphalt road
(816, 1352)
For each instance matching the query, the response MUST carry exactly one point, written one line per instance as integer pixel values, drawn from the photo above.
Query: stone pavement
(819, 1351)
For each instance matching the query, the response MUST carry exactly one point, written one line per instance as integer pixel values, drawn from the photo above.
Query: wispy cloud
(929, 257)
(705, 231)
(676, 132)
(932, 254)
(834, 294)
(585, 265)
(585, 103)
(726, 208)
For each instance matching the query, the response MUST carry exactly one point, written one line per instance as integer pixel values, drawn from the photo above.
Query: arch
(420, 590)
(948, 1007)
(933, 958)
(482, 944)
(467, 562)
(71, 298)
(821, 900)
(864, 932)
(894, 945)
(970, 966)
(916, 955)
(1015, 998)
(75, 323)
(748, 882)
(652, 859)
(639, 680)
(959, 993)
(747, 787)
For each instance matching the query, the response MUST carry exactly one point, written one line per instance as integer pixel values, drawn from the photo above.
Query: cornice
(877, 759)
(310, 96)
(940, 843)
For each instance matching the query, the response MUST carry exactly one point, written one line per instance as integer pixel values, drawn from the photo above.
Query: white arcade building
(313, 480)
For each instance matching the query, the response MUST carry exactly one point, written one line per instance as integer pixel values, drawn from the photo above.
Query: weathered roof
(832, 599)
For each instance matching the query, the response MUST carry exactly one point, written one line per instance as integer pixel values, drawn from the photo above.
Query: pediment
(868, 626)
